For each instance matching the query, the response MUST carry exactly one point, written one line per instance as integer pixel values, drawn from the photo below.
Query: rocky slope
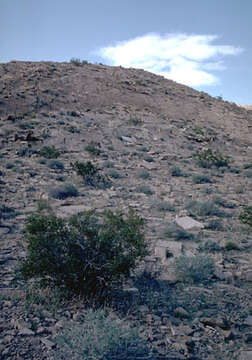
(144, 133)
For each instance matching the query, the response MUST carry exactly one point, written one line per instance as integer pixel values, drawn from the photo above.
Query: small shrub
(248, 173)
(201, 179)
(87, 253)
(247, 166)
(196, 208)
(26, 151)
(176, 171)
(113, 173)
(91, 174)
(234, 170)
(143, 148)
(246, 215)
(145, 189)
(7, 212)
(208, 158)
(101, 337)
(148, 158)
(135, 121)
(75, 61)
(143, 174)
(210, 246)
(222, 202)
(174, 231)
(108, 164)
(49, 152)
(10, 165)
(55, 164)
(165, 206)
(63, 191)
(93, 149)
(230, 245)
(215, 225)
(194, 269)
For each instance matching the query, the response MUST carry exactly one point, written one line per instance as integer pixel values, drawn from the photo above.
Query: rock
(181, 313)
(188, 223)
(49, 344)
(166, 250)
(246, 355)
(26, 332)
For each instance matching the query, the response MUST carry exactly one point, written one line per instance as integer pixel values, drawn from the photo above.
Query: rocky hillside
(181, 158)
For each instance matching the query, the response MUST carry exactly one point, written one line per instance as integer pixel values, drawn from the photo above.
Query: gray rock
(26, 332)
(181, 313)
(166, 250)
(188, 223)
(248, 321)
(49, 344)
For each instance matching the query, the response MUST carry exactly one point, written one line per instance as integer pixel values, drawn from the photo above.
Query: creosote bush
(208, 158)
(91, 174)
(63, 191)
(101, 336)
(246, 215)
(87, 253)
(49, 152)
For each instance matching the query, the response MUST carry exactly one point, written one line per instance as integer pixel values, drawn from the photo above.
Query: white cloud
(188, 59)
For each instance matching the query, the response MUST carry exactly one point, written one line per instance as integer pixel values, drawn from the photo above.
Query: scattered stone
(49, 344)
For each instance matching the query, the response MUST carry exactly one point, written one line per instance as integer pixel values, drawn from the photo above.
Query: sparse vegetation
(93, 148)
(208, 158)
(145, 189)
(165, 206)
(246, 215)
(195, 269)
(175, 232)
(55, 164)
(143, 174)
(230, 245)
(91, 174)
(87, 253)
(196, 208)
(49, 152)
(101, 336)
(201, 179)
(63, 191)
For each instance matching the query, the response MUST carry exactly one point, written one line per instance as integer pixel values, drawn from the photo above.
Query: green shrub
(145, 189)
(91, 174)
(176, 171)
(10, 165)
(230, 245)
(135, 121)
(108, 164)
(55, 164)
(165, 206)
(93, 148)
(215, 225)
(101, 337)
(208, 158)
(195, 269)
(248, 173)
(26, 151)
(49, 152)
(222, 202)
(148, 158)
(114, 173)
(210, 246)
(174, 231)
(201, 179)
(196, 208)
(63, 191)
(143, 174)
(246, 215)
(75, 61)
(87, 253)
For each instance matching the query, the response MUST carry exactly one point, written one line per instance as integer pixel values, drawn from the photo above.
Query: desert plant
(113, 173)
(145, 189)
(176, 171)
(196, 269)
(210, 246)
(93, 148)
(55, 164)
(49, 152)
(200, 179)
(230, 245)
(143, 174)
(175, 232)
(222, 202)
(248, 173)
(197, 208)
(148, 158)
(63, 191)
(91, 174)
(215, 225)
(87, 253)
(246, 215)
(208, 158)
(75, 61)
(101, 336)
(165, 206)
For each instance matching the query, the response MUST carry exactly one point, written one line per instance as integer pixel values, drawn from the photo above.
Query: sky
(203, 44)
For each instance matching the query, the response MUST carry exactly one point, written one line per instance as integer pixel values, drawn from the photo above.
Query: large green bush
(246, 215)
(87, 253)
(208, 158)
(101, 337)
(91, 174)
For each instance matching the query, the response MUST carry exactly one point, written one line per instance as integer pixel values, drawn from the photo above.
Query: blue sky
(204, 44)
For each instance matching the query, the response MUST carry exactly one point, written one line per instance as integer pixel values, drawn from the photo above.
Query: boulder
(188, 223)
